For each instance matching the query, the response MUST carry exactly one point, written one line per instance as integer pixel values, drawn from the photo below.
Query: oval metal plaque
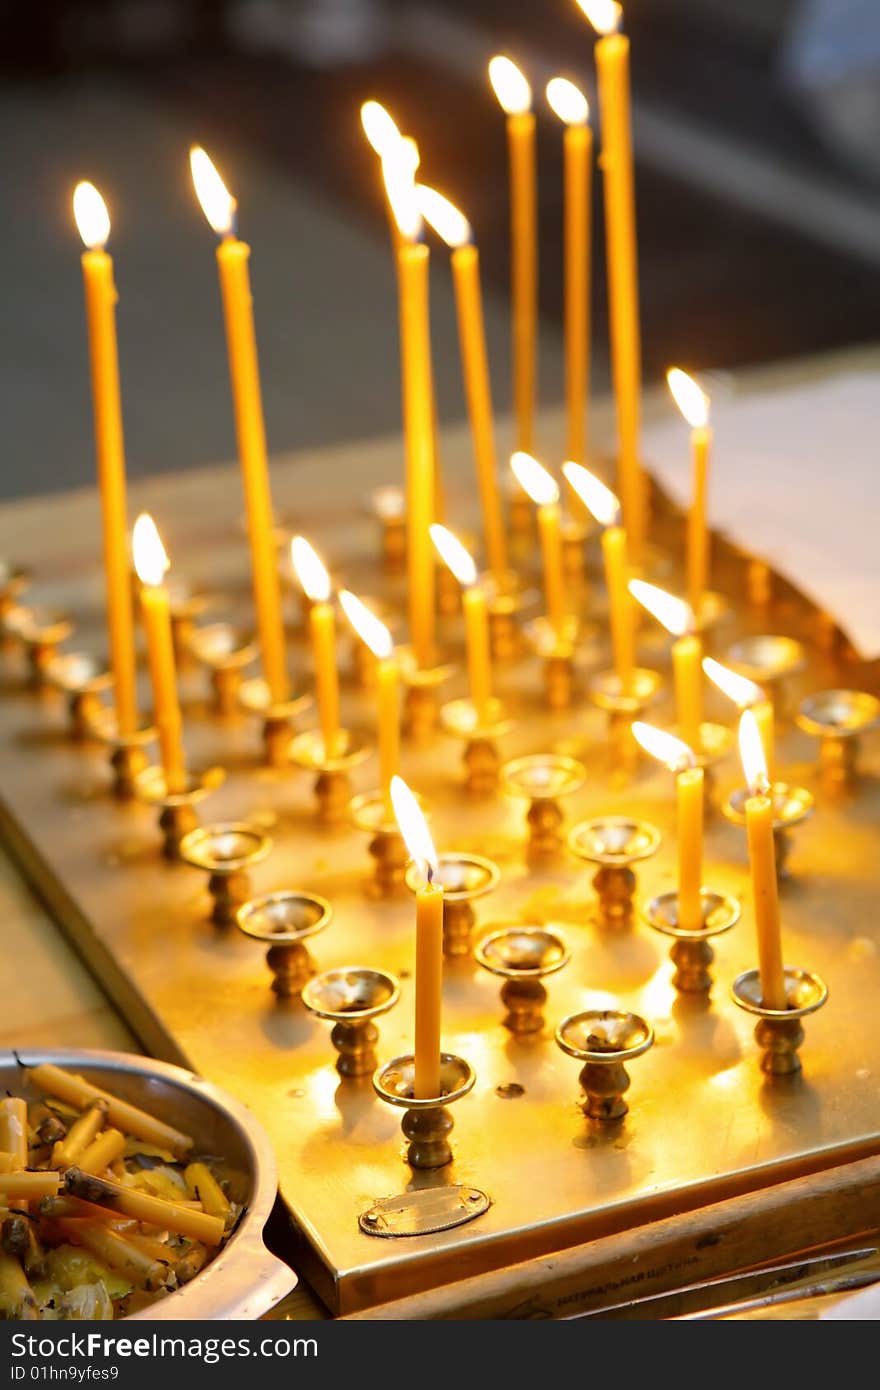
(424, 1212)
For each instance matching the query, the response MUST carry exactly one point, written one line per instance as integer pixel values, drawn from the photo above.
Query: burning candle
(151, 565)
(612, 63)
(476, 618)
(322, 626)
(429, 941)
(515, 97)
(605, 508)
(687, 654)
(679, 758)
(745, 695)
(571, 106)
(534, 479)
(762, 859)
(693, 403)
(385, 137)
(455, 230)
(418, 402)
(376, 636)
(93, 223)
(232, 261)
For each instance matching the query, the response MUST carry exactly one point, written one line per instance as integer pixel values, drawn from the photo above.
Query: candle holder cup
(388, 506)
(791, 806)
(615, 844)
(420, 700)
(771, 662)
(352, 998)
(128, 752)
(177, 810)
(522, 956)
(507, 601)
(14, 581)
(712, 611)
(369, 812)
(544, 779)
(187, 605)
(479, 732)
(278, 718)
(224, 651)
(427, 1123)
(604, 1040)
(41, 632)
(284, 921)
(779, 1033)
(838, 718)
(464, 878)
(82, 680)
(557, 648)
(574, 536)
(226, 851)
(332, 768)
(691, 952)
(714, 744)
(623, 704)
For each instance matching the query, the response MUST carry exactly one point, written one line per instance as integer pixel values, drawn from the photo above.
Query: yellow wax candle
(476, 617)
(571, 107)
(689, 799)
(100, 294)
(763, 713)
(322, 626)
(534, 479)
(687, 658)
(620, 607)
(515, 96)
(151, 563)
(241, 343)
(747, 695)
(429, 943)
(418, 426)
(612, 64)
(762, 860)
(384, 135)
(377, 637)
(693, 403)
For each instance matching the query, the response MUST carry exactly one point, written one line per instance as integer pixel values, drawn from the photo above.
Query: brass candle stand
(615, 844)
(226, 851)
(838, 718)
(713, 610)
(463, 878)
(224, 651)
(574, 536)
(779, 1032)
(604, 1040)
(691, 952)
(522, 956)
(332, 769)
(544, 779)
(479, 731)
(427, 1123)
(623, 704)
(82, 680)
(14, 581)
(41, 633)
(278, 718)
(715, 743)
(177, 810)
(370, 813)
(557, 649)
(771, 662)
(187, 605)
(388, 506)
(284, 921)
(791, 806)
(352, 998)
(420, 699)
(507, 601)
(128, 752)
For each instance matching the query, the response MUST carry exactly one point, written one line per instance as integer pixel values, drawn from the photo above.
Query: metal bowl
(243, 1280)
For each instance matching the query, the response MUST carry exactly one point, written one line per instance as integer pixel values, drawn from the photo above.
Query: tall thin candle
(429, 941)
(571, 106)
(151, 564)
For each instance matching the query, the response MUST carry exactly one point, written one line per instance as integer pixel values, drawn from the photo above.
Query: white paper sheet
(796, 479)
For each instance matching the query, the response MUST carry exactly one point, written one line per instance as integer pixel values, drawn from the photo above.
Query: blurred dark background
(757, 128)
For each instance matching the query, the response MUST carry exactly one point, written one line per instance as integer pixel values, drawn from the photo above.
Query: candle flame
(389, 502)
(738, 688)
(666, 748)
(399, 166)
(673, 613)
(372, 632)
(534, 479)
(454, 555)
(568, 101)
(510, 86)
(217, 202)
(599, 500)
(604, 15)
(310, 570)
(380, 128)
(92, 217)
(150, 556)
(446, 219)
(690, 398)
(751, 752)
(413, 827)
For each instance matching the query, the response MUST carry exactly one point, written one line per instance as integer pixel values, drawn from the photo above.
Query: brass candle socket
(478, 730)
(128, 752)
(187, 605)
(575, 534)
(604, 1040)
(388, 506)
(387, 849)
(522, 956)
(779, 1032)
(226, 851)
(82, 680)
(507, 601)
(333, 789)
(427, 1123)
(464, 878)
(713, 610)
(837, 718)
(41, 633)
(615, 843)
(14, 580)
(771, 662)
(352, 998)
(715, 743)
(557, 648)
(277, 716)
(284, 921)
(544, 779)
(177, 810)
(420, 700)
(224, 651)
(691, 952)
(791, 806)
(623, 705)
